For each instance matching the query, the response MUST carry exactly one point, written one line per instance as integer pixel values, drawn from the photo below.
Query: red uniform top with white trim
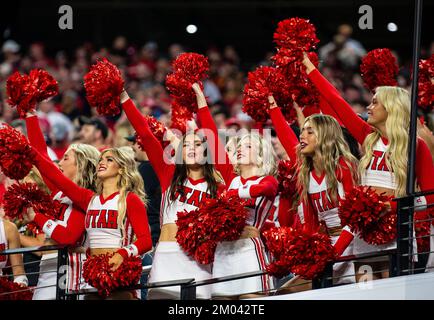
(194, 191)
(101, 214)
(377, 174)
(69, 228)
(319, 206)
(261, 191)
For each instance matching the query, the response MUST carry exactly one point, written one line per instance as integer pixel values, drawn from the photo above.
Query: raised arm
(152, 146)
(37, 141)
(284, 132)
(222, 163)
(357, 127)
(79, 196)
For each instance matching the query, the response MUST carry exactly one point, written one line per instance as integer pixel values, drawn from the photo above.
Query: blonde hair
(36, 177)
(396, 101)
(86, 159)
(266, 160)
(331, 147)
(130, 180)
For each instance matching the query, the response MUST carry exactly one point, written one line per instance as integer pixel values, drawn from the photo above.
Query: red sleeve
(358, 128)
(67, 231)
(151, 144)
(285, 134)
(136, 213)
(79, 196)
(286, 216)
(223, 165)
(37, 141)
(327, 109)
(267, 187)
(343, 174)
(424, 169)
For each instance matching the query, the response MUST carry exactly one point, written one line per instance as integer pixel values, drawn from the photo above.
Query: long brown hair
(181, 170)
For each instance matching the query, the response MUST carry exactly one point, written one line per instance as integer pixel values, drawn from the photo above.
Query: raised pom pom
(298, 251)
(263, 82)
(180, 117)
(104, 85)
(295, 36)
(426, 84)
(16, 155)
(188, 68)
(366, 213)
(379, 68)
(25, 91)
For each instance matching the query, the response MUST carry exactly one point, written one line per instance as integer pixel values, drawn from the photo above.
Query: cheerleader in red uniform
(184, 185)
(115, 213)
(326, 169)
(78, 164)
(384, 140)
(251, 178)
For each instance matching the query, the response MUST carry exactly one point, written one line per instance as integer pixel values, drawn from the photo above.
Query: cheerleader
(10, 239)
(78, 164)
(326, 170)
(251, 179)
(184, 185)
(115, 213)
(384, 140)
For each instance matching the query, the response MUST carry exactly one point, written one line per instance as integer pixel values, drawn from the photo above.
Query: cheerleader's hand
(308, 64)
(116, 260)
(272, 102)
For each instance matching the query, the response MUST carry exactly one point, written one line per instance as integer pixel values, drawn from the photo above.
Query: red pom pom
(21, 196)
(13, 291)
(285, 177)
(262, 83)
(298, 251)
(104, 85)
(16, 155)
(215, 220)
(180, 117)
(97, 272)
(188, 68)
(379, 68)
(25, 91)
(296, 35)
(365, 212)
(157, 129)
(44, 83)
(426, 84)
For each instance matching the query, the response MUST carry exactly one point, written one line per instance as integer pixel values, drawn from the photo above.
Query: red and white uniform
(170, 262)
(67, 230)
(243, 255)
(377, 174)
(3, 246)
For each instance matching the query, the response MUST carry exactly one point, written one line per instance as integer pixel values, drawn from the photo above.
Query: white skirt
(344, 272)
(172, 263)
(240, 256)
(46, 288)
(72, 280)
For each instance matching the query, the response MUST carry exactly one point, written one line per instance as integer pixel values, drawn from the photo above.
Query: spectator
(94, 132)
